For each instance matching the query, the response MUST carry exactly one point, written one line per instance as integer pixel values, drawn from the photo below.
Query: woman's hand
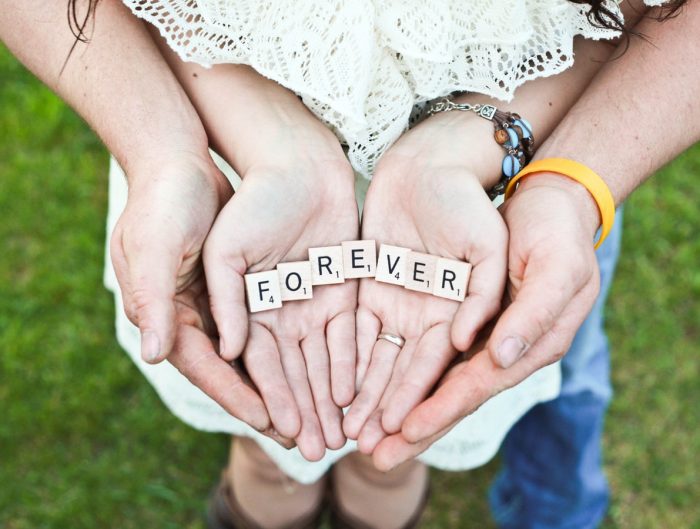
(298, 194)
(156, 250)
(426, 201)
(553, 281)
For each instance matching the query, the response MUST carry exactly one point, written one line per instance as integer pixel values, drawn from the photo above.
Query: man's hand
(156, 250)
(553, 281)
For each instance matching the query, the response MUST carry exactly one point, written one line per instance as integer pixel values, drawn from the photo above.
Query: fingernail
(150, 346)
(510, 350)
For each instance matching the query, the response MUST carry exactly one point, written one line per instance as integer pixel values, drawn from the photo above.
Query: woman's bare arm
(118, 81)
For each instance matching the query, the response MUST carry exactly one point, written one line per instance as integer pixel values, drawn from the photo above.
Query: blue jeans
(552, 476)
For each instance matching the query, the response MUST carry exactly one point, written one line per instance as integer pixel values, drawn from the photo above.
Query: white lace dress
(362, 66)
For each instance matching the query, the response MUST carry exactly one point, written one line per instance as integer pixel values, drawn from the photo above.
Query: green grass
(85, 442)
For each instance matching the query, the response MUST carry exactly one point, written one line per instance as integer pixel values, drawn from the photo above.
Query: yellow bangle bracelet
(585, 176)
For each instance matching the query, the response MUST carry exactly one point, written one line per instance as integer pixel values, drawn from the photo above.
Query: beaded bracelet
(511, 131)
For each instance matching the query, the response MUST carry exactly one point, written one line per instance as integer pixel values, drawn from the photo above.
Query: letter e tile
(359, 259)
(420, 272)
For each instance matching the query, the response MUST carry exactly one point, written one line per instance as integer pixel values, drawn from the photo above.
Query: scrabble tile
(391, 264)
(359, 259)
(451, 279)
(295, 280)
(420, 272)
(326, 265)
(263, 290)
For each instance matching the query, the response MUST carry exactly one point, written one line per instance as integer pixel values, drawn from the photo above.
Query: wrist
(450, 140)
(583, 201)
(194, 171)
(324, 181)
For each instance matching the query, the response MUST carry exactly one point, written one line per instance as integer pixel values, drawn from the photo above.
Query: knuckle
(141, 300)
(226, 393)
(410, 387)
(190, 363)
(131, 313)
(557, 354)
(543, 319)
(115, 241)
(561, 340)
(579, 271)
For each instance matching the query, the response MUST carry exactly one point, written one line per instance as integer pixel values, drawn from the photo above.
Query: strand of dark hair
(78, 26)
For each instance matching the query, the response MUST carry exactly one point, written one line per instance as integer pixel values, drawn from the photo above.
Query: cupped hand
(301, 357)
(553, 281)
(156, 250)
(418, 203)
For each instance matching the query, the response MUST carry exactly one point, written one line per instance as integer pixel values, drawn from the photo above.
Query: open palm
(301, 357)
(156, 249)
(442, 212)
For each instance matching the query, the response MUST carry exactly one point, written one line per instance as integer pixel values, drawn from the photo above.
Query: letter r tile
(263, 291)
(326, 265)
(451, 279)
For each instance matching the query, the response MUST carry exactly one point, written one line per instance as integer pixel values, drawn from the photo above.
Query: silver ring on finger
(392, 338)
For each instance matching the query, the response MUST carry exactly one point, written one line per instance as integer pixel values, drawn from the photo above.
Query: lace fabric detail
(363, 65)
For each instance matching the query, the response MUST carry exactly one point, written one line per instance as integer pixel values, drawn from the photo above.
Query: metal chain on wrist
(511, 131)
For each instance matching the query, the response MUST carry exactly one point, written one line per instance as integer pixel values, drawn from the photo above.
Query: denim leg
(552, 476)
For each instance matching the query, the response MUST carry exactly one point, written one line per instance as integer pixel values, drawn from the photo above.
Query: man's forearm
(641, 110)
(118, 82)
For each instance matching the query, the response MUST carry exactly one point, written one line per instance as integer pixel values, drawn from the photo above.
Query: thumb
(547, 289)
(146, 269)
(227, 298)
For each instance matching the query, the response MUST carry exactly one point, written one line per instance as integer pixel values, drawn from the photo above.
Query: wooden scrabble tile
(451, 279)
(391, 264)
(420, 272)
(295, 280)
(263, 291)
(326, 265)
(359, 259)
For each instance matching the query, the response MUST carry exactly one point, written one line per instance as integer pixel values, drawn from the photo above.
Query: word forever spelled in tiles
(295, 280)
(359, 259)
(263, 290)
(421, 272)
